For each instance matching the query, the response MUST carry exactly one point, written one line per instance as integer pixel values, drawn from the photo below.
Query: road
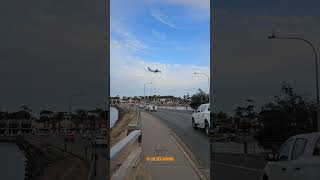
(237, 166)
(226, 166)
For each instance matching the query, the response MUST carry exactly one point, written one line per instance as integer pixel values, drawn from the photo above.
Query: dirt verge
(126, 116)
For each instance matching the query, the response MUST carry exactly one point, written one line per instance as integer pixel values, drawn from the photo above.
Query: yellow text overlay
(160, 158)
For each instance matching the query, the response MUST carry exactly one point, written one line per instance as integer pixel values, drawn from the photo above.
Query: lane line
(239, 167)
(179, 113)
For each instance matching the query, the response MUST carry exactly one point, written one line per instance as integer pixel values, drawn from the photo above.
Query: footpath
(157, 141)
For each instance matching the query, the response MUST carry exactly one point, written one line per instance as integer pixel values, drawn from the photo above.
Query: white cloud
(163, 19)
(203, 5)
(129, 73)
(127, 39)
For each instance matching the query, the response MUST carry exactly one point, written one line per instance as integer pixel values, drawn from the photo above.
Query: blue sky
(173, 36)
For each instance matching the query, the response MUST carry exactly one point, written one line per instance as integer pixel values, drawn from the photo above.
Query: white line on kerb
(239, 167)
(184, 114)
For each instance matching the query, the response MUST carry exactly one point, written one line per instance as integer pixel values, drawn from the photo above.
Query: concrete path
(195, 139)
(157, 141)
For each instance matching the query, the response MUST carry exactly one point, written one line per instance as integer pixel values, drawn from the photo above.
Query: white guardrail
(117, 151)
(129, 145)
(123, 144)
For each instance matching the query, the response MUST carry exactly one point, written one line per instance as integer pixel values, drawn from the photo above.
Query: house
(16, 126)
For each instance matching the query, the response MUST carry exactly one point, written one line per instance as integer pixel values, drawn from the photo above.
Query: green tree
(199, 98)
(287, 115)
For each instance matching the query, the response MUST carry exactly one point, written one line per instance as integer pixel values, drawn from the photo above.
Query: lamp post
(273, 36)
(208, 81)
(144, 88)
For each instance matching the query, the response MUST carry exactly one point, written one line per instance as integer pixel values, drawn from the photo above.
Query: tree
(199, 98)
(239, 111)
(221, 115)
(287, 115)
(82, 114)
(60, 115)
(46, 115)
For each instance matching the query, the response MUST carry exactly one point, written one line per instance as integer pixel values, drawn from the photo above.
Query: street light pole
(317, 125)
(144, 88)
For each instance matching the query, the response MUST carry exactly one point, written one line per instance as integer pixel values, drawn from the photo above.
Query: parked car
(100, 140)
(298, 158)
(201, 118)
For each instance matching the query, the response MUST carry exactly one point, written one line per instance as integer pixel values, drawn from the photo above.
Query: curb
(186, 151)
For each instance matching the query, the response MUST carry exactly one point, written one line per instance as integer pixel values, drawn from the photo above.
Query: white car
(152, 107)
(201, 118)
(100, 140)
(298, 158)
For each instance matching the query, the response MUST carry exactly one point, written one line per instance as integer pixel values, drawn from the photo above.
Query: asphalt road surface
(226, 166)
(237, 167)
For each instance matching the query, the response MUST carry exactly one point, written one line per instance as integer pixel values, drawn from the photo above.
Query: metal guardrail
(124, 143)
(130, 143)
(117, 150)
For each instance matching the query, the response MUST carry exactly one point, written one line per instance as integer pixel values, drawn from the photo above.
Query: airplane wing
(151, 70)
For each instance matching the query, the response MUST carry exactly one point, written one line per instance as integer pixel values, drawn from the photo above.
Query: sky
(170, 35)
(51, 49)
(248, 65)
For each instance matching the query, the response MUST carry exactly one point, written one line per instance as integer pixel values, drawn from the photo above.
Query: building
(16, 126)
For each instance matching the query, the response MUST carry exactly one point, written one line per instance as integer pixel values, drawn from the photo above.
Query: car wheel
(194, 124)
(206, 127)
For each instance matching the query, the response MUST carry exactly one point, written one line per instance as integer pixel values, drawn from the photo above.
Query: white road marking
(181, 113)
(239, 167)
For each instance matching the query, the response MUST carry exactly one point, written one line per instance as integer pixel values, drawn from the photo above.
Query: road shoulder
(159, 140)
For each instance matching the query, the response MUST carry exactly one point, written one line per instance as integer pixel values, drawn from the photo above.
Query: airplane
(154, 71)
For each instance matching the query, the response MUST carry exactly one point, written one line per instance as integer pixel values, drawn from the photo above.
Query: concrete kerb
(187, 152)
